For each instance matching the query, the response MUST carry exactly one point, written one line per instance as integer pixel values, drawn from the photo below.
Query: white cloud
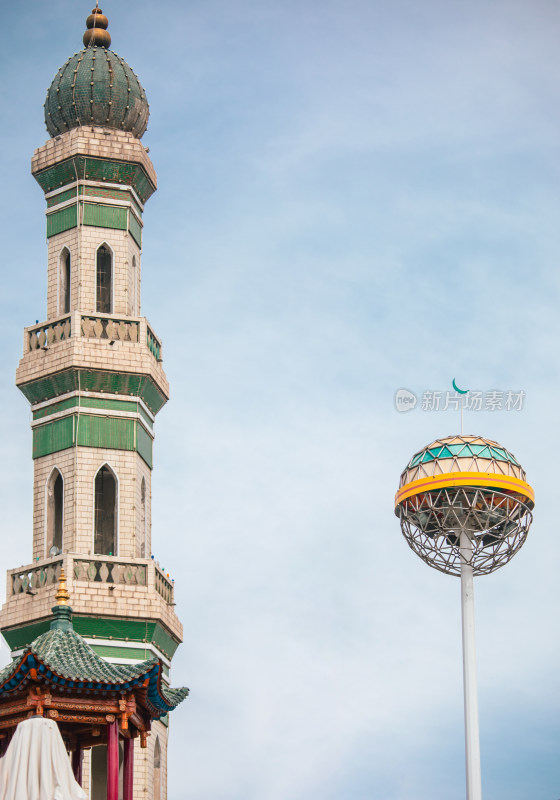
(352, 198)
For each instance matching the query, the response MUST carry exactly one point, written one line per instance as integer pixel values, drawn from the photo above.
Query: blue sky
(353, 197)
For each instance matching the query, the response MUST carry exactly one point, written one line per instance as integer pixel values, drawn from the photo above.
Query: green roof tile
(63, 658)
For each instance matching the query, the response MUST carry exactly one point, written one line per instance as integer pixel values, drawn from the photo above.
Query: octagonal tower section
(93, 370)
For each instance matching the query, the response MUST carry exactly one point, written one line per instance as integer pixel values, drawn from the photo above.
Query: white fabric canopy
(36, 765)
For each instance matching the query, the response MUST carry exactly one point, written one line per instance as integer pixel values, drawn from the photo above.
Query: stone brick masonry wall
(96, 142)
(90, 598)
(83, 243)
(79, 466)
(91, 354)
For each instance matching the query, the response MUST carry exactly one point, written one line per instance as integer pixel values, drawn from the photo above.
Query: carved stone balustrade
(154, 344)
(34, 577)
(48, 333)
(163, 585)
(111, 328)
(96, 570)
(110, 570)
(93, 326)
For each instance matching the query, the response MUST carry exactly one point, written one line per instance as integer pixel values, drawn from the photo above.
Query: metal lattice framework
(495, 522)
(464, 484)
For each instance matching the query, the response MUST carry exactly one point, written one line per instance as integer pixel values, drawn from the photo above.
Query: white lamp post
(465, 508)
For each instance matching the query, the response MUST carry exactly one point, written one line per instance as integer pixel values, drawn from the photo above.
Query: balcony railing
(47, 333)
(99, 570)
(163, 585)
(109, 327)
(110, 570)
(154, 344)
(32, 578)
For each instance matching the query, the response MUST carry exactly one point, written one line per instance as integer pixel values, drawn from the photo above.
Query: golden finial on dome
(97, 34)
(62, 596)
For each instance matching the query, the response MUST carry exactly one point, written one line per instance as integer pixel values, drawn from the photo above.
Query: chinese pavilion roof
(62, 661)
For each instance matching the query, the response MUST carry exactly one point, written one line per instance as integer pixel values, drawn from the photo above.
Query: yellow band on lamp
(485, 479)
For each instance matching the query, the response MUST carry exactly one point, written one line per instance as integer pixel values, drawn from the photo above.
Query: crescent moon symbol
(461, 391)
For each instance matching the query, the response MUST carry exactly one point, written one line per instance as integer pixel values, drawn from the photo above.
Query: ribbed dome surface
(461, 454)
(96, 87)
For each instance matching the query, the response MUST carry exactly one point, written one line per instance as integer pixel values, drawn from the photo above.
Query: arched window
(105, 535)
(134, 296)
(104, 280)
(157, 770)
(141, 535)
(65, 283)
(55, 512)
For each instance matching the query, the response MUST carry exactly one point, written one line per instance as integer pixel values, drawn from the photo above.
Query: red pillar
(77, 756)
(113, 760)
(128, 769)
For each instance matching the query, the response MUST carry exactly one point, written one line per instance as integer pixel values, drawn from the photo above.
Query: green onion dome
(96, 87)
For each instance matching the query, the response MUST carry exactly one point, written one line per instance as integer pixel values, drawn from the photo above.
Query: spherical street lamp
(465, 508)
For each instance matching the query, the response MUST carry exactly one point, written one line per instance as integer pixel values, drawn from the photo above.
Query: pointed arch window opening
(157, 770)
(65, 282)
(104, 280)
(105, 523)
(143, 521)
(55, 512)
(135, 305)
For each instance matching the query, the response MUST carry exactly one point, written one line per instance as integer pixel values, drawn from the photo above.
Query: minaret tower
(92, 372)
